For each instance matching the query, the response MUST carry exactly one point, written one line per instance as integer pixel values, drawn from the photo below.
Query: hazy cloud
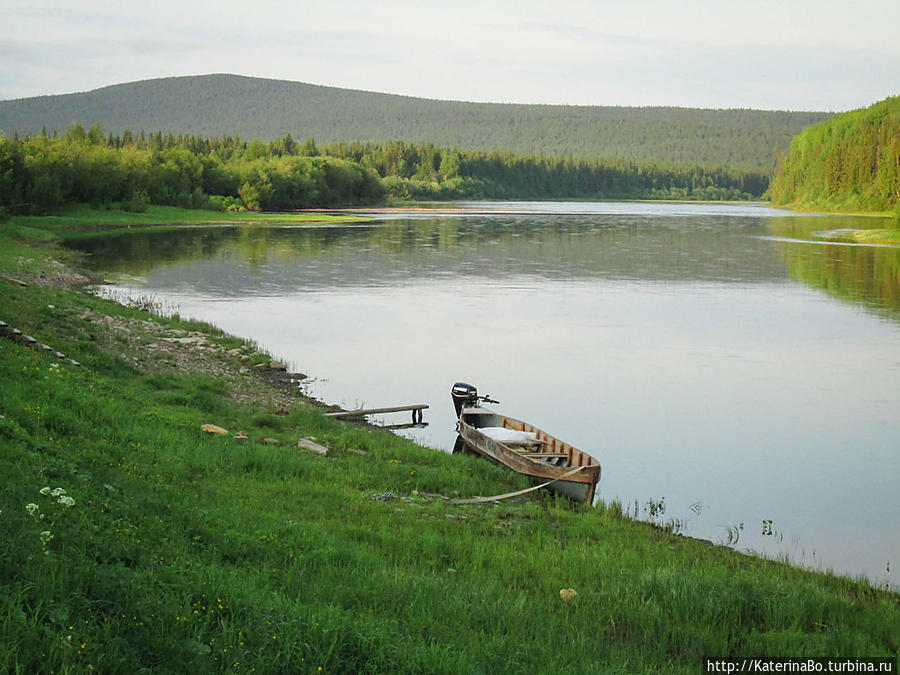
(803, 54)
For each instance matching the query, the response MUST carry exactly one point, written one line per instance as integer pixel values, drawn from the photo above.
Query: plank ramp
(416, 411)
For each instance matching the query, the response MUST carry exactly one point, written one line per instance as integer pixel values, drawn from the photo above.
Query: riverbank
(879, 236)
(889, 236)
(225, 554)
(85, 219)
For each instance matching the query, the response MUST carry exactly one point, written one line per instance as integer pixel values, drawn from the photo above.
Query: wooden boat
(524, 448)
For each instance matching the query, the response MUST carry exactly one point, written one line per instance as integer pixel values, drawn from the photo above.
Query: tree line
(217, 105)
(425, 171)
(850, 162)
(44, 173)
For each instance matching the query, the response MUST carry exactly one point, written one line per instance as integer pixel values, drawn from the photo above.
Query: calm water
(737, 376)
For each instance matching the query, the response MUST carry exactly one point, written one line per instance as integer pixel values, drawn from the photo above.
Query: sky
(824, 55)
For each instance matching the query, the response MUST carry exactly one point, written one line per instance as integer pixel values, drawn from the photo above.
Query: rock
(298, 376)
(196, 340)
(311, 445)
(277, 365)
(269, 441)
(14, 281)
(358, 451)
(213, 429)
(282, 412)
(567, 594)
(241, 436)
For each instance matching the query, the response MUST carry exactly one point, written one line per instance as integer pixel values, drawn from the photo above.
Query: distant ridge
(255, 108)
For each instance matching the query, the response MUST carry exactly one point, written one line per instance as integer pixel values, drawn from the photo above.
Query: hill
(254, 108)
(850, 162)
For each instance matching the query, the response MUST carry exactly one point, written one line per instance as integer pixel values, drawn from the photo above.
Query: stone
(269, 441)
(567, 594)
(313, 446)
(213, 429)
(277, 365)
(14, 281)
(195, 340)
(241, 436)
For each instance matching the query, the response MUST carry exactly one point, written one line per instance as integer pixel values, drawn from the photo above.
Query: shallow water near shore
(737, 376)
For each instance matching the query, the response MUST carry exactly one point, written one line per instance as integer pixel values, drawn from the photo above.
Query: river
(737, 375)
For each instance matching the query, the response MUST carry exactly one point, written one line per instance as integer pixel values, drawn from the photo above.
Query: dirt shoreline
(157, 345)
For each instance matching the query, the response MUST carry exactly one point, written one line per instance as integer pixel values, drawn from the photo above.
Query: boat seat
(533, 443)
(544, 455)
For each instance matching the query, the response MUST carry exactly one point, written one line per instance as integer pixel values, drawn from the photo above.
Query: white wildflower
(46, 536)
(32, 508)
(66, 501)
(56, 492)
(45, 490)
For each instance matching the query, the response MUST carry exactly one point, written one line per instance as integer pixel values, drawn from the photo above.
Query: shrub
(139, 202)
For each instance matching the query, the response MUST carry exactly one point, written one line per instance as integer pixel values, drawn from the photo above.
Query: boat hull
(574, 472)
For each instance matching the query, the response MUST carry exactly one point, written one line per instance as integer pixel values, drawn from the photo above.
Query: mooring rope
(479, 500)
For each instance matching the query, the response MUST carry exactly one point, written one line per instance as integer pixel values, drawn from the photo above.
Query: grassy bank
(176, 550)
(885, 236)
(85, 218)
(888, 235)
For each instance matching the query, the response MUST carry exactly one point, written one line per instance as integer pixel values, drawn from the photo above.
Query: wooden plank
(523, 443)
(544, 455)
(373, 411)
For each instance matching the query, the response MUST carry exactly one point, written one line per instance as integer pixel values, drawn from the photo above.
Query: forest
(850, 162)
(44, 173)
(221, 105)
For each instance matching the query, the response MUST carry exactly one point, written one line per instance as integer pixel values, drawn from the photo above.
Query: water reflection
(737, 380)
(854, 273)
(406, 250)
(409, 250)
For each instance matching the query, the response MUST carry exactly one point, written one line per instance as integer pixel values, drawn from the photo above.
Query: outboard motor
(463, 395)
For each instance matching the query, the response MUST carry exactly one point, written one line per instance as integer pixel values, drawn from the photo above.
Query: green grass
(878, 236)
(888, 236)
(84, 218)
(188, 552)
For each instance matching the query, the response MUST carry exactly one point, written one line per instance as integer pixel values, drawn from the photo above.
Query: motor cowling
(463, 395)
